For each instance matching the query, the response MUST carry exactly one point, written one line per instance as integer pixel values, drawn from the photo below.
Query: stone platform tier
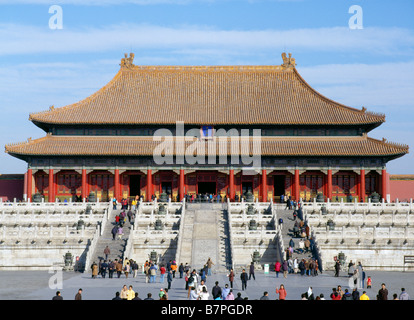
(39, 235)
(379, 235)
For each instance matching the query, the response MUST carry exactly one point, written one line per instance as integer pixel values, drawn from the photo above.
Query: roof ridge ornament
(288, 62)
(128, 62)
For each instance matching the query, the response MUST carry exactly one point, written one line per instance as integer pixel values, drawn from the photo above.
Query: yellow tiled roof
(207, 95)
(51, 145)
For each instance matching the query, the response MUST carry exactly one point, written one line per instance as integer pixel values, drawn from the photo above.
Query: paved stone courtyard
(34, 285)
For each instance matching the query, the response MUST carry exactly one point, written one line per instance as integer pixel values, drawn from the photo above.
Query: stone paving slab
(34, 285)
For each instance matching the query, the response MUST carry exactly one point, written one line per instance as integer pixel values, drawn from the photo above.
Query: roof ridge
(384, 141)
(363, 109)
(32, 116)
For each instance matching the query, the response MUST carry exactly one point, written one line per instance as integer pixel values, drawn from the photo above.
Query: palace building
(107, 143)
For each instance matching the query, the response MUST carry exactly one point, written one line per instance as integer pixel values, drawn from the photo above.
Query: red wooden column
(231, 184)
(329, 191)
(182, 186)
(117, 187)
(384, 184)
(84, 193)
(264, 186)
(29, 184)
(149, 184)
(52, 196)
(362, 186)
(297, 189)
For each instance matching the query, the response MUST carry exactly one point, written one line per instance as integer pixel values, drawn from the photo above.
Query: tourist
(153, 273)
(201, 286)
(114, 232)
(251, 271)
(162, 273)
(382, 293)
(165, 296)
(355, 294)
(335, 295)
(127, 269)
(277, 268)
(161, 293)
(295, 265)
(209, 264)
(231, 278)
(285, 269)
(134, 268)
(309, 294)
(351, 269)
(117, 297)
(216, 291)
(337, 268)
(347, 295)
(230, 295)
(181, 270)
(364, 296)
(281, 292)
(124, 292)
(57, 296)
(107, 252)
(192, 295)
(95, 270)
(111, 268)
(104, 269)
(130, 293)
(169, 278)
(120, 232)
(173, 268)
(78, 296)
(147, 272)
(149, 296)
(203, 295)
(239, 297)
(265, 296)
(225, 292)
(404, 295)
(243, 278)
(192, 282)
(118, 267)
(136, 297)
(203, 274)
(301, 246)
(369, 282)
(340, 291)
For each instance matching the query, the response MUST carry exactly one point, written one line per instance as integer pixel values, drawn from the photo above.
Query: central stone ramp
(204, 236)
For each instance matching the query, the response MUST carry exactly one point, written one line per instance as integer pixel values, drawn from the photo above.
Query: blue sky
(371, 67)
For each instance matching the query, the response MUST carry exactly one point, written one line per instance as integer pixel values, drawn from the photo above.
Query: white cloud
(27, 39)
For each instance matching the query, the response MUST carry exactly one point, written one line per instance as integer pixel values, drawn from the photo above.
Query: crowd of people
(195, 281)
(198, 290)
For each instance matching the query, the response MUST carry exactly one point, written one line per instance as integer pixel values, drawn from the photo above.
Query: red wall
(11, 186)
(403, 190)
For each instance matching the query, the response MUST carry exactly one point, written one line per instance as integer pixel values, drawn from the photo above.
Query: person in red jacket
(281, 292)
(335, 295)
(277, 268)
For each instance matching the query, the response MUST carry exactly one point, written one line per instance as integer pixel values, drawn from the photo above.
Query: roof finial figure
(288, 62)
(128, 62)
